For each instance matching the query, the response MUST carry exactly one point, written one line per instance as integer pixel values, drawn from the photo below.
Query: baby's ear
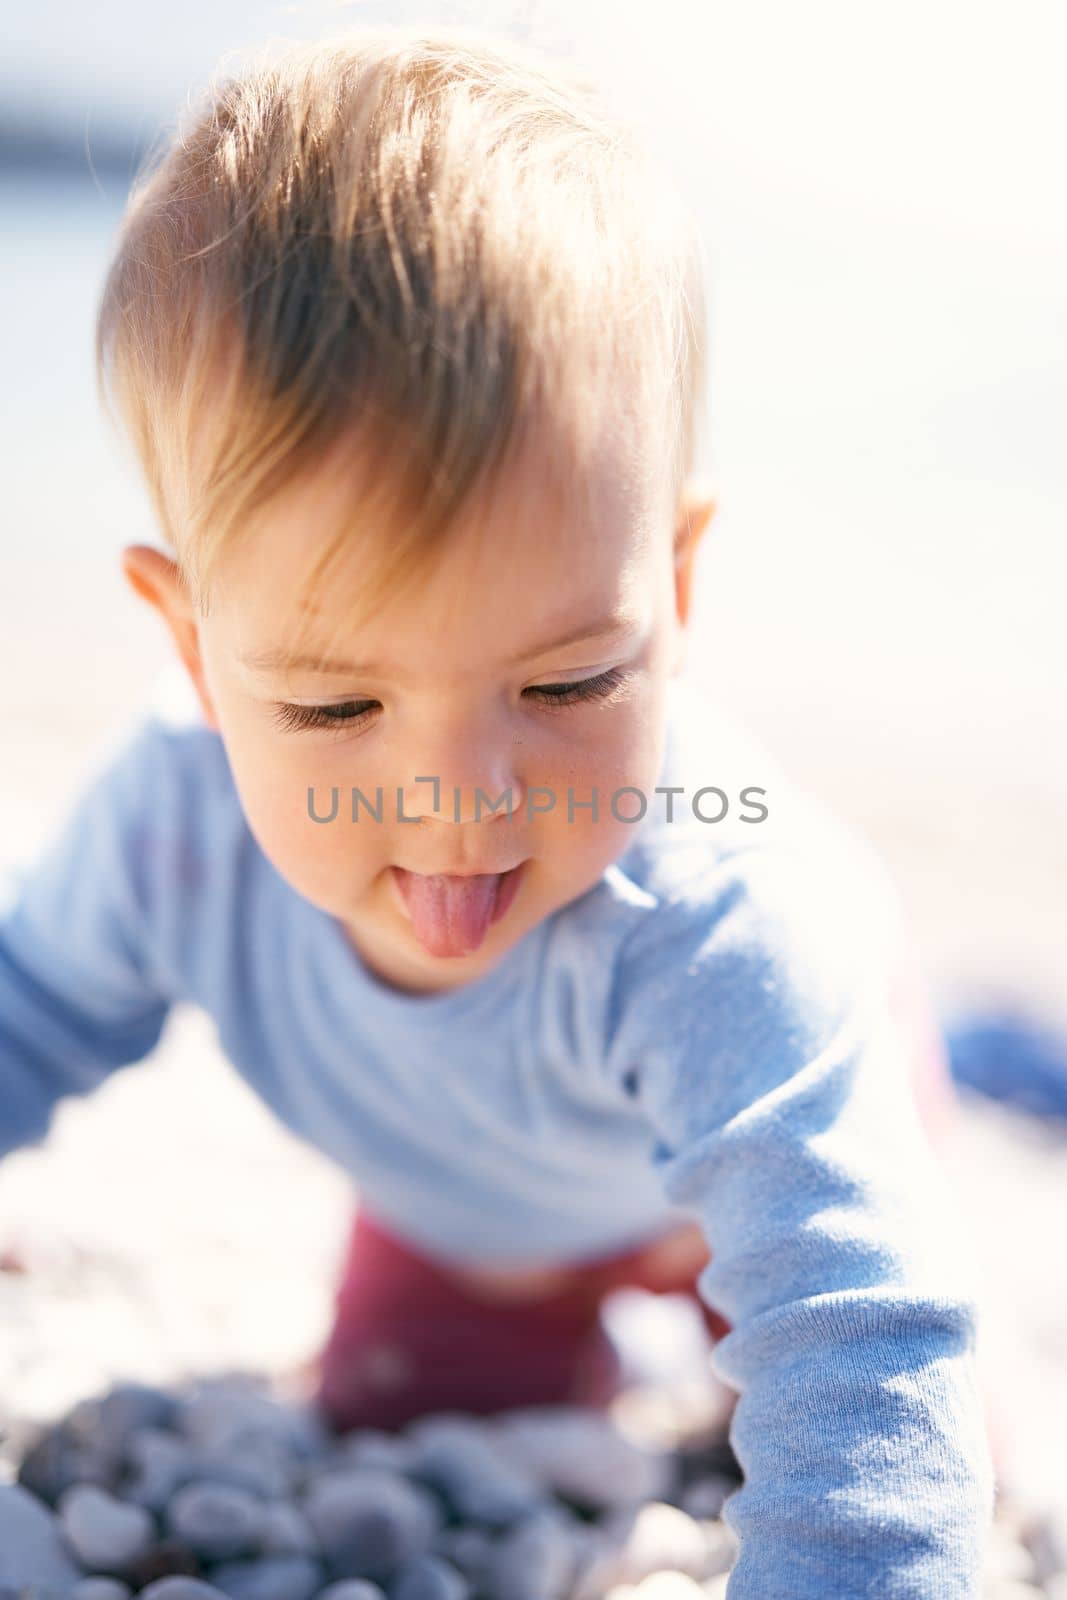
(157, 578)
(152, 574)
(695, 511)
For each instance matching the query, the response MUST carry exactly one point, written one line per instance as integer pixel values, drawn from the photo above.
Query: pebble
(1046, 1539)
(581, 1456)
(235, 1412)
(705, 1497)
(271, 1578)
(637, 1544)
(262, 1467)
(88, 1446)
(370, 1522)
(1006, 1556)
(223, 1493)
(216, 1520)
(31, 1544)
(101, 1589)
(225, 1410)
(660, 1586)
(57, 1462)
(477, 1481)
(535, 1560)
(351, 1589)
(430, 1578)
(467, 1548)
(105, 1534)
(181, 1589)
(168, 1558)
(372, 1447)
(158, 1463)
(109, 1419)
(664, 1538)
(287, 1531)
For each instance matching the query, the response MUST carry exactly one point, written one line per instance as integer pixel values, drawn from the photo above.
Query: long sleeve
(751, 1020)
(80, 991)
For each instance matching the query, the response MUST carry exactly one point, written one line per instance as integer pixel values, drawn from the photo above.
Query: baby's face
(534, 660)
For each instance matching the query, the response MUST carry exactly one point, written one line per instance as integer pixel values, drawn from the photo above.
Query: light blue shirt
(706, 1032)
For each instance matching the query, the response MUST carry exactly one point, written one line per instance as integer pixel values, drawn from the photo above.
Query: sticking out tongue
(450, 915)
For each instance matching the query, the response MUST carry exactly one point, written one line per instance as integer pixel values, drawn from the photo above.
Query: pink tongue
(450, 915)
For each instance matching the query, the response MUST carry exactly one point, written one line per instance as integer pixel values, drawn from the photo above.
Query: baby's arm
(754, 1026)
(80, 994)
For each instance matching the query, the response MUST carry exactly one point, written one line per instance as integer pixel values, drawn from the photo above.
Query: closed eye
(349, 713)
(565, 694)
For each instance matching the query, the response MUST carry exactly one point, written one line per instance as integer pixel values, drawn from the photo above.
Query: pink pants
(412, 1335)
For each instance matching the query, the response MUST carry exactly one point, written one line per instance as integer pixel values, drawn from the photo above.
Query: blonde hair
(396, 248)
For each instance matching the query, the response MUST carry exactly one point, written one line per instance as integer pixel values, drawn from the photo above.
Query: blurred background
(880, 195)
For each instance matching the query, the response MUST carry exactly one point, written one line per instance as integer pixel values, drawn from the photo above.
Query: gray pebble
(467, 1548)
(56, 1462)
(373, 1447)
(216, 1520)
(32, 1550)
(581, 1455)
(45, 1469)
(168, 1558)
(158, 1463)
(270, 1578)
(181, 1589)
(310, 1435)
(261, 1467)
(287, 1531)
(351, 1589)
(370, 1522)
(706, 1497)
(100, 1589)
(478, 1482)
(535, 1560)
(111, 1418)
(235, 1412)
(105, 1534)
(430, 1578)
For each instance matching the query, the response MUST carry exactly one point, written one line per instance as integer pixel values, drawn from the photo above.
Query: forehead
(539, 550)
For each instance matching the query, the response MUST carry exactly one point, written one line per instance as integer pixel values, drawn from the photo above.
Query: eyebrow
(286, 661)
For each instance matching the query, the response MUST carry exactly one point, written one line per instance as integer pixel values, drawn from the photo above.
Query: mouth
(452, 912)
(461, 872)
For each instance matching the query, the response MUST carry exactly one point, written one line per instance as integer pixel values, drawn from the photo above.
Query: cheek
(621, 748)
(306, 836)
(623, 753)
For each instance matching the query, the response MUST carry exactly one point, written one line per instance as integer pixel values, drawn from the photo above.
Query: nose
(463, 773)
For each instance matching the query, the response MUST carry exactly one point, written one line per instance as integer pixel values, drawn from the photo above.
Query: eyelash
(301, 717)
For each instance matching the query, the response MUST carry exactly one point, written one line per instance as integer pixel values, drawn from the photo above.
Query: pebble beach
(171, 1235)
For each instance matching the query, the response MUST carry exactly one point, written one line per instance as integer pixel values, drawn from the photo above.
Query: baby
(488, 899)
